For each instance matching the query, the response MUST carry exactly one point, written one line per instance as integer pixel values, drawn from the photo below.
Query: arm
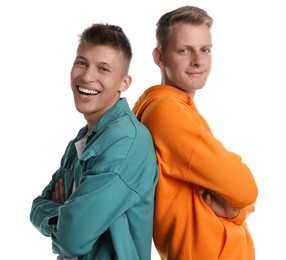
(181, 136)
(218, 204)
(44, 207)
(97, 202)
(224, 209)
(114, 171)
(58, 194)
(76, 224)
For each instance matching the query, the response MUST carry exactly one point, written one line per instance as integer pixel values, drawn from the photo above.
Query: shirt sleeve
(44, 208)
(243, 214)
(110, 182)
(98, 201)
(188, 151)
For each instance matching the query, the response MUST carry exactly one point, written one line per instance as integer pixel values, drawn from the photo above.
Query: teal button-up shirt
(109, 212)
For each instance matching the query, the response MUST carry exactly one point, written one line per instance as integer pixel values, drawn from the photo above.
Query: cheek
(72, 71)
(176, 68)
(71, 79)
(76, 73)
(72, 76)
(208, 62)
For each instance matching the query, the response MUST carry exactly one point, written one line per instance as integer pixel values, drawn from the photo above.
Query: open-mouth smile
(86, 91)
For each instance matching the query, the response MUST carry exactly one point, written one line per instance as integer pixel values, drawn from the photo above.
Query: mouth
(195, 72)
(88, 92)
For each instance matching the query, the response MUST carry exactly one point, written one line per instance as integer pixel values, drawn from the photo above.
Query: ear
(126, 82)
(158, 57)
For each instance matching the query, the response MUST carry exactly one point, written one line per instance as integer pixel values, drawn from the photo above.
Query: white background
(243, 100)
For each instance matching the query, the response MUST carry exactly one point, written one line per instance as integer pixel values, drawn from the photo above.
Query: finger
(53, 196)
(62, 191)
(207, 198)
(201, 190)
(56, 193)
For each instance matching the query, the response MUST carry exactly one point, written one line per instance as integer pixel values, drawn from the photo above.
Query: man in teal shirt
(99, 203)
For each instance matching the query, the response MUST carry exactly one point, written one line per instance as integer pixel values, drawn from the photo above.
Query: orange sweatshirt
(189, 156)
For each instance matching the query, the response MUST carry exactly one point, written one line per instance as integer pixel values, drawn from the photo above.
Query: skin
(186, 65)
(186, 62)
(100, 70)
(218, 204)
(59, 193)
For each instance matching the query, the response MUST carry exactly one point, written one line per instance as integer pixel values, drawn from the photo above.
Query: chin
(81, 109)
(200, 87)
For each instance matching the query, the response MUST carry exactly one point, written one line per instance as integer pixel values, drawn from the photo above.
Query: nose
(196, 59)
(89, 74)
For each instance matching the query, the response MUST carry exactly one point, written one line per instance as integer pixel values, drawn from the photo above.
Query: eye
(206, 50)
(103, 69)
(184, 51)
(80, 63)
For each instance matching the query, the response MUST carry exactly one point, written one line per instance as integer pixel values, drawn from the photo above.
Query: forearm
(223, 172)
(189, 152)
(243, 215)
(85, 214)
(44, 208)
(42, 211)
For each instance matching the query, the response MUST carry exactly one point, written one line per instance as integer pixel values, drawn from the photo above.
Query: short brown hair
(107, 34)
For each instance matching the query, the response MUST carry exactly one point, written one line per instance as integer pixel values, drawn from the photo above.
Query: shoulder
(122, 132)
(129, 127)
(166, 109)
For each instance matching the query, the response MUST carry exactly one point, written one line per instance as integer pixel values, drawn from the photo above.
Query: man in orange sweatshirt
(205, 192)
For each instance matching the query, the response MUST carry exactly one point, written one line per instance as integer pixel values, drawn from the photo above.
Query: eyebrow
(100, 62)
(81, 57)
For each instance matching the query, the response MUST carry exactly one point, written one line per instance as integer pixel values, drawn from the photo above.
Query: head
(100, 70)
(183, 50)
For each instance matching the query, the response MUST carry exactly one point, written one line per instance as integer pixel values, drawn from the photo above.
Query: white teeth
(88, 91)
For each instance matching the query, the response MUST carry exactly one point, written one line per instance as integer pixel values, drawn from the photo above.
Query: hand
(218, 204)
(59, 194)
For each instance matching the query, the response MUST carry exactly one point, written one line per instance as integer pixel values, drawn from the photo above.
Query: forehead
(186, 34)
(99, 53)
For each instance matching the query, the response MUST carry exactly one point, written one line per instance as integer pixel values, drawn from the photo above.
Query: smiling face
(186, 61)
(98, 76)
